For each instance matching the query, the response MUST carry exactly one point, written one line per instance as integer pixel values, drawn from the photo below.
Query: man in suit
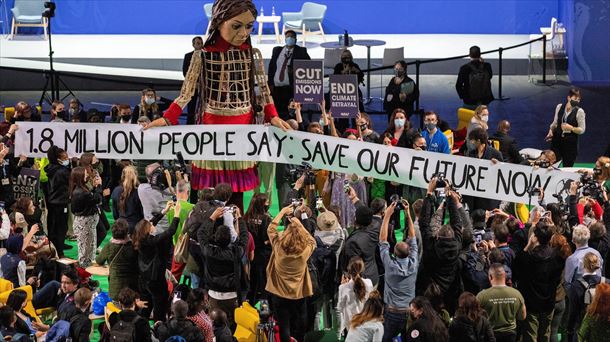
(508, 144)
(192, 106)
(281, 78)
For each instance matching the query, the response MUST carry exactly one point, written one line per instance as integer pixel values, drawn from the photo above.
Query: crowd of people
(369, 259)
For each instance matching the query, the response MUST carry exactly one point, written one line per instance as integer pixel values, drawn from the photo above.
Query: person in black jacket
(222, 269)
(17, 300)
(508, 144)
(129, 302)
(125, 200)
(86, 214)
(470, 323)
(537, 272)
(473, 84)
(151, 106)
(257, 220)
(192, 106)
(401, 92)
(57, 197)
(427, 326)
(440, 258)
(179, 325)
(8, 331)
(78, 315)
(479, 148)
(280, 73)
(363, 242)
(153, 256)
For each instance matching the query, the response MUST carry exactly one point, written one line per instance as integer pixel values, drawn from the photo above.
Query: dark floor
(529, 107)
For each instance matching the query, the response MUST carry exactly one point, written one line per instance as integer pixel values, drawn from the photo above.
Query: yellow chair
(522, 212)
(5, 285)
(9, 112)
(109, 310)
(495, 144)
(246, 318)
(449, 134)
(29, 308)
(464, 116)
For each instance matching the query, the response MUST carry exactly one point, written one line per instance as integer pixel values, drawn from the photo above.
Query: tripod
(53, 79)
(264, 332)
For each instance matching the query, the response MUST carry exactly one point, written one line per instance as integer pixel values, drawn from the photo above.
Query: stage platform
(157, 59)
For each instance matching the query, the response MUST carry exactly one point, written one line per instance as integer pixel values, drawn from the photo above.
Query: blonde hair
(591, 262)
(129, 182)
(477, 116)
(144, 107)
(293, 240)
(581, 234)
(604, 164)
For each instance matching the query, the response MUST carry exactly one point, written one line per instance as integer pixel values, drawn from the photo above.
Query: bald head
(504, 126)
(401, 250)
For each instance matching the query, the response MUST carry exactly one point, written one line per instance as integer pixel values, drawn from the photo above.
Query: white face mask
(149, 101)
(399, 123)
(485, 118)
(65, 162)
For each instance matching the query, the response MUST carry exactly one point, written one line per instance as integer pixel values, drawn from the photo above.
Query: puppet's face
(237, 29)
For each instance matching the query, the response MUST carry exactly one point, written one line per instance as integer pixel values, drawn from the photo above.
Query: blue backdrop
(356, 16)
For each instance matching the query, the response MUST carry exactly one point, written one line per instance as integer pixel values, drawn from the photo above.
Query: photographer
(288, 279)
(155, 194)
(211, 221)
(224, 277)
(153, 255)
(441, 250)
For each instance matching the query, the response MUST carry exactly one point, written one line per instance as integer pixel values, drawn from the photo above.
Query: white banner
(473, 177)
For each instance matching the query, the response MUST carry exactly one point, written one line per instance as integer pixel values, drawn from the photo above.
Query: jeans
(46, 296)
(537, 326)
(394, 323)
(560, 308)
(291, 316)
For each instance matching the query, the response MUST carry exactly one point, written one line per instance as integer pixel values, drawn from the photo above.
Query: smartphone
(319, 203)
(1, 205)
(346, 186)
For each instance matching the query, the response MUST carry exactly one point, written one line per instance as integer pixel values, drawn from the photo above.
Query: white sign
(473, 177)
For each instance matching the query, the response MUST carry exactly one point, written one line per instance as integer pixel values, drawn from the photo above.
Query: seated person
(508, 144)
(12, 266)
(179, 325)
(78, 315)
(129, 301)
(8, 318)
(546, 159)
(25, 324)
(58, 294)
(222, 333)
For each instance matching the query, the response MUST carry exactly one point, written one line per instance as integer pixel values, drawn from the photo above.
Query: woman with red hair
(596, 324)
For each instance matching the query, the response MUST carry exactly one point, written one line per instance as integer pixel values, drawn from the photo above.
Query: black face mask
(363, 127)
(62, 115)
(125, 118)
(574, 103)
(346, 60)
(292, 112)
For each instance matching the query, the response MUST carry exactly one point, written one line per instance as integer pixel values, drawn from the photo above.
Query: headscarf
(224, 10)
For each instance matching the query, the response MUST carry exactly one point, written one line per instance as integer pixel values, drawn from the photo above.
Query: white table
(262, 19)
(368, 43)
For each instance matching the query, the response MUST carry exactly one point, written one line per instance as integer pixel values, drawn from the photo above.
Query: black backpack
(124, 331)
(324, 258)
(479, 82)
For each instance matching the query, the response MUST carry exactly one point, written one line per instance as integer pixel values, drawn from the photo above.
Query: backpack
(324, 258)
(314, 275)
(479, 83)
(474, 274)
(60, 331)
(589, 290)
(124, 331)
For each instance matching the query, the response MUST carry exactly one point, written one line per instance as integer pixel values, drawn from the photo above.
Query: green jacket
(593, 329)
(123, 261)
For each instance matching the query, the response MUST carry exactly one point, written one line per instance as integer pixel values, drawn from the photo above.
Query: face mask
(485, 118)
(574, 103)
(61, 115)
(430, 126)
(471, 146)
(65, 162)
(292, 112)
(363, 127)
(399, 123)
(346, 60)
(321, 122)
(149, 101)
(125, 118)
(71, 111)
(291, 41)
(399, 72)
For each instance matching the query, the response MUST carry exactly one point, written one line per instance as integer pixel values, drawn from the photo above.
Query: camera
(319, 202)
(542, 163)
(229, 210)
(159, 181)
(296, 202)
(264, 313)
(440, 180)
(398, 200)
(303, 169)
(590, 187)
(346, 186)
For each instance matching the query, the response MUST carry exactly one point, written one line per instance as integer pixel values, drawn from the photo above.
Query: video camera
(398, 200)
(542, 163)
(264, 313)
(303, 169)
(590, 187)
(159, 181)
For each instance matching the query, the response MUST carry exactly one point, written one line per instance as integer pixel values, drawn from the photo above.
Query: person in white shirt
(353, 293)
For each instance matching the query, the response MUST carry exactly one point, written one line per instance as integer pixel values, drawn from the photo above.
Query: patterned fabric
(341, 199)
(242, 175)
(86, 238)
(204, 323)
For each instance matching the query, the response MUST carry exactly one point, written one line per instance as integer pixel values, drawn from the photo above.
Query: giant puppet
(225, 72)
